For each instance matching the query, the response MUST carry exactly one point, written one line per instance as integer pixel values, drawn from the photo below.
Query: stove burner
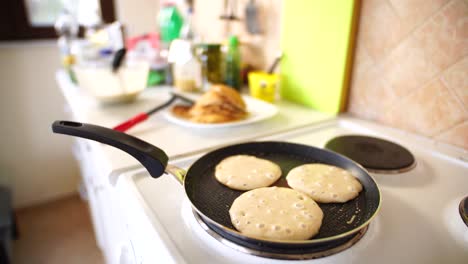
(375, 154)
(293, 252)
(463, 208)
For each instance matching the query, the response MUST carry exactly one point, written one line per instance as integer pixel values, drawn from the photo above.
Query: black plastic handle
(118, 59)
(153, 158)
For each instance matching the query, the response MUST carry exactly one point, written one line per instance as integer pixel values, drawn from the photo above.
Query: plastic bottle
(232, 60)
(170, 22)
(186, 67)
(66, 27)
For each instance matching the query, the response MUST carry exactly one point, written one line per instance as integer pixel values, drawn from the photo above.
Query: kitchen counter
(176, 141)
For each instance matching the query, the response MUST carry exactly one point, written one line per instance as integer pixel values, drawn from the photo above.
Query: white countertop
(175, 140)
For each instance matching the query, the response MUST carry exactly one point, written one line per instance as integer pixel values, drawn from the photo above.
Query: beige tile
(381, 27)
(356, 108)
(356, 104)
(414, 12)
(408, 68)
(428, 111)
(432, 48)
(457, 135)
(444, 40)
(456, 79)
(361, 60)
(370, 96)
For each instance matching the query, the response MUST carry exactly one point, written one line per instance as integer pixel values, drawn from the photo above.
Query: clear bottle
(232, 64)
(66, 27)
(187, 73)
(186, 68)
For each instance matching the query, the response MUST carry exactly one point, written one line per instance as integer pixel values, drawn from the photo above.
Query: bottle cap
(168, 4)
(233, 41)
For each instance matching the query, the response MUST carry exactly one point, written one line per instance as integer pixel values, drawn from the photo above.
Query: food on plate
(324, 183)
(181, 111)
(219, 105)
(276, 213)
(245, 172)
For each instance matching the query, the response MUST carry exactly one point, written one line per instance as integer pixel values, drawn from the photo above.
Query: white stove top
(418, 221)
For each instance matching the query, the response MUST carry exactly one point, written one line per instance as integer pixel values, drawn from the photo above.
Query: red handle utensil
(131, 122)
(122, 127)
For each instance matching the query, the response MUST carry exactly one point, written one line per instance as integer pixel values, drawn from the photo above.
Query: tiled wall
(411, 67)
(258, 50)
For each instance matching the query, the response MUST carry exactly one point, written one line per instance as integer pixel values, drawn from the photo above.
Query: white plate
(258, 110)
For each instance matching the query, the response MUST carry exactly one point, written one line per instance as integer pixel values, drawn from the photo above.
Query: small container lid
(233, 41)
(168, 4)
(209, 46)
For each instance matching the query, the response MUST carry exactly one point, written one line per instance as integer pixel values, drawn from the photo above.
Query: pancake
(276, 213)
(221, 104)
(244, 172)
(324, 183)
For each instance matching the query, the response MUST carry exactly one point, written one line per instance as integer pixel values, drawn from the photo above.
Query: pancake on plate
(220, 104)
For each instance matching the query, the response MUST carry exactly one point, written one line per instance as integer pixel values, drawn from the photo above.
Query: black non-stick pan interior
(213, 199)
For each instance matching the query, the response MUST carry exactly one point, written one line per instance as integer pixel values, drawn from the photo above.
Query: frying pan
(212, 200)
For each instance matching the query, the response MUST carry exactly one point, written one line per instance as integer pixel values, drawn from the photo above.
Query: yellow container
(263, 85)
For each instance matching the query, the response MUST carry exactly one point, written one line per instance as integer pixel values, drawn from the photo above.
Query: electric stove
(420, 219)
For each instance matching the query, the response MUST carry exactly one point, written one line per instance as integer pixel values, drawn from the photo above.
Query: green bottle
(170, 22)
(232, 61)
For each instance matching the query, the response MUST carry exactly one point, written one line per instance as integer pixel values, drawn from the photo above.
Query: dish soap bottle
(232, 60)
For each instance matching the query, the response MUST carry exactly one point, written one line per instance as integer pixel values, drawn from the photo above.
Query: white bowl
(109, 87)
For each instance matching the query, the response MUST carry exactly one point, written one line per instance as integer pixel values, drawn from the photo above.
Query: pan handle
(153, 158)
(176, 172)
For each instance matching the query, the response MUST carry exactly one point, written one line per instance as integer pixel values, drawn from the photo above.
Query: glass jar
(211, 59)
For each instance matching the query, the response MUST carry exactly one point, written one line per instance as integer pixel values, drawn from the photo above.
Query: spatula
(122, 127)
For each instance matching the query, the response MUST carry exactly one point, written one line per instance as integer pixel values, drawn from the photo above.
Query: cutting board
(317, 40)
